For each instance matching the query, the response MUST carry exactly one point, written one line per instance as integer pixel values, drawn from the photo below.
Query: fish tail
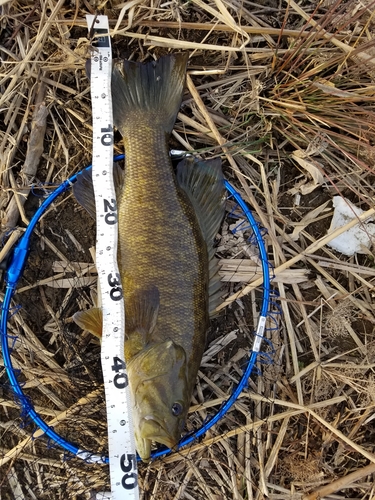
(150, 92)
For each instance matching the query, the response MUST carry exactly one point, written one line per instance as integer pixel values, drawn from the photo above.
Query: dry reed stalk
(341, 483)
(311, 249)
(29, 169)
(255, 425)
(13, 453)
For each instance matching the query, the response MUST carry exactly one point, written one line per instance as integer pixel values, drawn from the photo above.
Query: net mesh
(58, 365)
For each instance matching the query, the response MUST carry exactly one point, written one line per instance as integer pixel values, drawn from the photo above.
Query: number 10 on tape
(121, 445)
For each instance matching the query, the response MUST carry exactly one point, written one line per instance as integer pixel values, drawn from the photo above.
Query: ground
(283, 93)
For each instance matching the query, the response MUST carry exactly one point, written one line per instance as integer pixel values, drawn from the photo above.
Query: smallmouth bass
(167, 223)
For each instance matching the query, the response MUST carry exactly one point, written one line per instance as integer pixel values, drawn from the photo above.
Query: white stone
(355, 239)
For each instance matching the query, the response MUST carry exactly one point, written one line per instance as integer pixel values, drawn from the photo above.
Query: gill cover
(159, 385)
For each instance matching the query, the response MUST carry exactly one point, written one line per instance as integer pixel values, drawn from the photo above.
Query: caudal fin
(150, 92)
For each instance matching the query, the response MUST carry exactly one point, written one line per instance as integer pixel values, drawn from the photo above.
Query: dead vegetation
(284, 93)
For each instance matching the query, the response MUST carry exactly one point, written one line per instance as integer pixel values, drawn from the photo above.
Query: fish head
(161, 396)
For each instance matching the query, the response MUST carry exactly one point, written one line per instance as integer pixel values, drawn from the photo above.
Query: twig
(33, 155)
(14, 452)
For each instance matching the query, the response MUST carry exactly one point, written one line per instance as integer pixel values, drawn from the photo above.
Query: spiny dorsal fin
(203, 182)
(214, 290)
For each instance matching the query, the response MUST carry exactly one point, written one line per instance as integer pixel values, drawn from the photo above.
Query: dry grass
(284, 93)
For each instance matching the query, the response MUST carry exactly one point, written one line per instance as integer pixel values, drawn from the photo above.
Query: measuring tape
(121, 444)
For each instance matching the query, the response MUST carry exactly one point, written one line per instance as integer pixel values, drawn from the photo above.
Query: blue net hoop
(14, 273)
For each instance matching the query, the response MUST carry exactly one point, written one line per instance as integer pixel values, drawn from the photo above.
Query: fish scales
(160, 243)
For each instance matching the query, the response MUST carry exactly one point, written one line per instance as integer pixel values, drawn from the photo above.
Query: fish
(167, 224)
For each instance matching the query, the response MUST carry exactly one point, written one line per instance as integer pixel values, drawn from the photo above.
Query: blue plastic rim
(14, 273)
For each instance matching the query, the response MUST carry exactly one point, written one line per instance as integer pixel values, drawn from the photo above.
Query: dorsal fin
(203, 182)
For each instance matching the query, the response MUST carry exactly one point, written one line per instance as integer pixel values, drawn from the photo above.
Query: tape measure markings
(121, 444)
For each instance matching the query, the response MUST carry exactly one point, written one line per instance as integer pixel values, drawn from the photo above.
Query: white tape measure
(121, 444)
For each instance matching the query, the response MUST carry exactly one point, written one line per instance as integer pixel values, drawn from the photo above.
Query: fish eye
(177, 409)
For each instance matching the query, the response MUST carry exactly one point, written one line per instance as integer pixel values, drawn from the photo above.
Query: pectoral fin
(90, 320)
(141, 314)
(142, 310)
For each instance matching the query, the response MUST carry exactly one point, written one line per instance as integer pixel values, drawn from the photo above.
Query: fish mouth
(144, 449)
(152, 430)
